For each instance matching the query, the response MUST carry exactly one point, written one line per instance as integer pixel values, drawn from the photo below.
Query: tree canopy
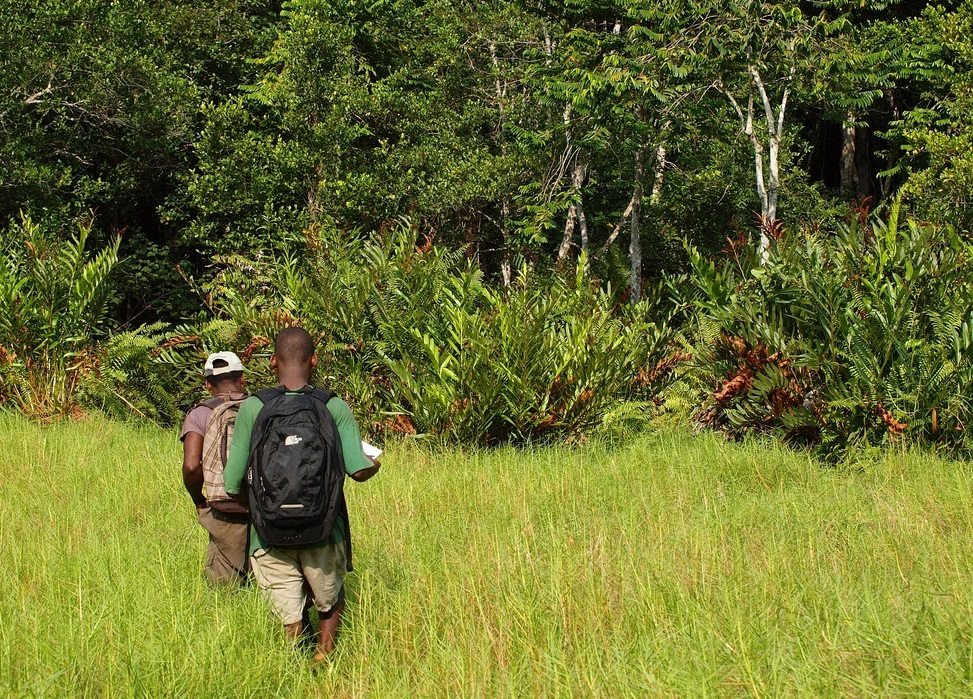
(521, 132)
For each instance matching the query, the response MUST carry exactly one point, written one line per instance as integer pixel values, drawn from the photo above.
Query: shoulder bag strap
(268, 397)
(321, 394)
(212, 403)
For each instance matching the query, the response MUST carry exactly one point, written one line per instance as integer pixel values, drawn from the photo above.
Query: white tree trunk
(658, 177)
(768, 184)
(657, 182)
(582, 223)
(617, 228)
(576, 216)
(506, 268)
(849, 174)
(568, 237)
(635, 243)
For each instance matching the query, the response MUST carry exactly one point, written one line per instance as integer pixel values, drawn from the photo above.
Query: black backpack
(296, 472)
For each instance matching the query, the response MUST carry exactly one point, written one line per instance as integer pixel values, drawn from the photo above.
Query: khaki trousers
(226, 554)
(284, 577)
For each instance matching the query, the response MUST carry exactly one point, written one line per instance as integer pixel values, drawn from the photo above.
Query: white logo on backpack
(291, 440)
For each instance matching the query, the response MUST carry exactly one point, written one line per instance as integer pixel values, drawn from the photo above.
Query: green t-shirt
(236, 461)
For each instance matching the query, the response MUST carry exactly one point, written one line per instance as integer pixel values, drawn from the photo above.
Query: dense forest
(475, 164)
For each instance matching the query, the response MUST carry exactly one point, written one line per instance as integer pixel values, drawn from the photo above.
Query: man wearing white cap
(205, 435)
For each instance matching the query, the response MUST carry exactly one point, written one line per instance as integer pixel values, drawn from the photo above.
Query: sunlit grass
(677, 565)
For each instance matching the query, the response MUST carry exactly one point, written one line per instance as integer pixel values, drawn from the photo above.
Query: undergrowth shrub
(547, 358)
(413, 336)
(54, 308)
(864, 336)
(130, 377)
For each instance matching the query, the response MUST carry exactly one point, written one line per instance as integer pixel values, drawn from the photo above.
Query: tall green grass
(677, 565)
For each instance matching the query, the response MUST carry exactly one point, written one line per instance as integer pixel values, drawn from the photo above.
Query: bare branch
(748, 129)
(501, 88)
(36, 97)
(722, 88)
(768, 108)
(618, 226)
(783, 100)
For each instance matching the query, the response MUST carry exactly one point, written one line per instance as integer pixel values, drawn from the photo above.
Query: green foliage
(353, 293)
(419, 344)
(356, 117)
(99, 110)
(936, 54)
(860, 336)
(126, 379)
(212, 137)
(223, 128)
(54, 301)
(539, 361)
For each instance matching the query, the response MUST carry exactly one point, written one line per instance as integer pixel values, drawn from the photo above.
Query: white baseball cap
(233, 363)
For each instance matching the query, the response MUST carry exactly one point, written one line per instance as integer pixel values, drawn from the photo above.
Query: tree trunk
(746, 126)
(578, 177)
(582, 225)
(635, 244)
(763, 192)
(658, 178)
(856, 170)
(775, 127)
(576, 215)
(568, 237)
(506, 268)
(769, 188)
(773, 180)
(863, 162)
(657, 182)
(849, 173)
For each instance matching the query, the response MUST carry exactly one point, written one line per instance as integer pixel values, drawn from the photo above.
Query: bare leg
(330, 621)
(308, 637)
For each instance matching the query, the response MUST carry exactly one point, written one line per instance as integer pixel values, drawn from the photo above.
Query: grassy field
(676, 565)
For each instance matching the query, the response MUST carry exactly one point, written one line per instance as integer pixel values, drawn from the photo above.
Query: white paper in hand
(371, 451)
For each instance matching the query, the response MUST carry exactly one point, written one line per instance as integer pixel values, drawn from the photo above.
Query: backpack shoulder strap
(212, 403)
(268, 395)
(216, 401)
(322, 394)
(229, 407)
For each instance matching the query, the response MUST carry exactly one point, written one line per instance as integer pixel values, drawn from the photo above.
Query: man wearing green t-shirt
(284, 575)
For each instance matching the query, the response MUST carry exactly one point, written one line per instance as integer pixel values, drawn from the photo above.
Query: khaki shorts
(281, 576)
(226, 555)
